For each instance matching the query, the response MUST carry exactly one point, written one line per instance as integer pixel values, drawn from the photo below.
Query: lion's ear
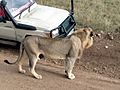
(85, 30)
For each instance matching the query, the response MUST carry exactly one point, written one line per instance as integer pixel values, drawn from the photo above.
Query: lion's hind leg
(32, 63)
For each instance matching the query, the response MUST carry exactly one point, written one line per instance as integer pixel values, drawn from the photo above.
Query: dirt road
(53, 77)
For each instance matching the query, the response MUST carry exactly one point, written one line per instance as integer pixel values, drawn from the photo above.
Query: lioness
(69, 48)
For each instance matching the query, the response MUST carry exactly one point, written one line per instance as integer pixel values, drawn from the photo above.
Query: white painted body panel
(43, 17)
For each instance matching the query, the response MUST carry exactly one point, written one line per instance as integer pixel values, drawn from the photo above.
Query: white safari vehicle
(22, 18)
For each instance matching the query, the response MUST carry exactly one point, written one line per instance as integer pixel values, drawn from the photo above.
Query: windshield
(17, 6)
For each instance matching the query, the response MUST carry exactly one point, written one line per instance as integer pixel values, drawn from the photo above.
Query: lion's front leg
(66, 67)
(69, 64)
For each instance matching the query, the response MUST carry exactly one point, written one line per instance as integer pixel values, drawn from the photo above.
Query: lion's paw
(71, 76)
(38, 77)
(22, 71)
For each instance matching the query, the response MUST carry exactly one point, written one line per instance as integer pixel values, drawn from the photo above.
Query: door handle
(8, 26)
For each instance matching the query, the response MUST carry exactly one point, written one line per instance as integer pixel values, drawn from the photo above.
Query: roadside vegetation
(99, 14)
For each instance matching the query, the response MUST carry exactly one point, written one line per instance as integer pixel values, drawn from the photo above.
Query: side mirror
(3, 3)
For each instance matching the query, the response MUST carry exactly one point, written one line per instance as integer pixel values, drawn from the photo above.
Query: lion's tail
(19, 57)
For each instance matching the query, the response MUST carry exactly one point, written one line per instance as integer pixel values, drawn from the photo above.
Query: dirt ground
(98, 69)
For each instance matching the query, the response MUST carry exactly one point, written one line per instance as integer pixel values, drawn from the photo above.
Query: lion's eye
(91, 34)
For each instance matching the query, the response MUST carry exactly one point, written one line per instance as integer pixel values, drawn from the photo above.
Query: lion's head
(86, 36)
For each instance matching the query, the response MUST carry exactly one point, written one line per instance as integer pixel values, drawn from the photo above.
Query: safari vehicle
(22, 18)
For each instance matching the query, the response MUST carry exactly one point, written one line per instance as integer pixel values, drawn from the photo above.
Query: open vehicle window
(17, 6)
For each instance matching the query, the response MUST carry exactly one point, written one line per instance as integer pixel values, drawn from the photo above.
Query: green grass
(98, 14)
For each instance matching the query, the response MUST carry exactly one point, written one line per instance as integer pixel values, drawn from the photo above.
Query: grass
(99, 14)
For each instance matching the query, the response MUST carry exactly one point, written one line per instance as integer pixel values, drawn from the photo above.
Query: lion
(69, 48)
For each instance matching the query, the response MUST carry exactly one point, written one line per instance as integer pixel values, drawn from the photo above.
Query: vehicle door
(6, 26)
(7, 30)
